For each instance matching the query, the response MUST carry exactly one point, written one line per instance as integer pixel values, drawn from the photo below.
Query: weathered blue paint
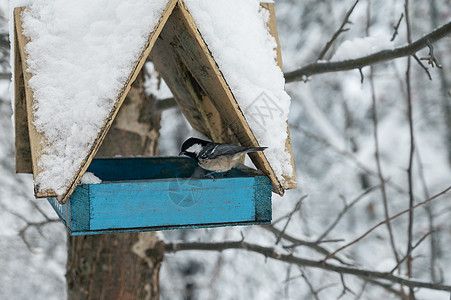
(141, 194)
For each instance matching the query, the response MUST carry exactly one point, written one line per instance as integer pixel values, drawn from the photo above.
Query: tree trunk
(123, 265)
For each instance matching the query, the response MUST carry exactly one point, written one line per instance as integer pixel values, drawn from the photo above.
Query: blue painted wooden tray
(158, 193)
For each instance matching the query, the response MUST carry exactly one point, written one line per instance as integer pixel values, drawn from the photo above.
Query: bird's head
(192, 147)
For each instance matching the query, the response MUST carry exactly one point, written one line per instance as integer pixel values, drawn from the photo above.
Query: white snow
(80, 55)
(236, 34)
(90, 178)
(360, 47)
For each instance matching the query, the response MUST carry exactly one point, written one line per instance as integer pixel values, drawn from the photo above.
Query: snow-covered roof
(81, 57)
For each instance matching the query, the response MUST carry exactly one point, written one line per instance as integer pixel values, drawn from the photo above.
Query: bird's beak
(181, 153)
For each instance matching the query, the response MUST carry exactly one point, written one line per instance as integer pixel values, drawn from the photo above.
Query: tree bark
(123, 265)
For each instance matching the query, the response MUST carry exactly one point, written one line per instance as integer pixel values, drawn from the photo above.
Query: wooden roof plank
(23, 163)
(198, 58)
(289, 181)
(35, 139)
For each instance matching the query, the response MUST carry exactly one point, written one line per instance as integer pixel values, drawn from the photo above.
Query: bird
(215, 157)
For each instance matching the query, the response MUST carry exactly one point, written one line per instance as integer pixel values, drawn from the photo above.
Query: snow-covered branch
(385, 55)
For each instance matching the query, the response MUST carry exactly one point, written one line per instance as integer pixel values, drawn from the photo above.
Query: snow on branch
(381, 56)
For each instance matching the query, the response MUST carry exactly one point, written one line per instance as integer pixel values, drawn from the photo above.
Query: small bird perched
(215, 157)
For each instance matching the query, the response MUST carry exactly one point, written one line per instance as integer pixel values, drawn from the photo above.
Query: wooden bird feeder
(157, 193)
(138, 194)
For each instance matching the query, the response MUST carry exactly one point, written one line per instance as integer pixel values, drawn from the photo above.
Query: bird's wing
(214, 150)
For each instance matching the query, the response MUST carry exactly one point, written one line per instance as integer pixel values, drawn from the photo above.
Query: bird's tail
(255, 149)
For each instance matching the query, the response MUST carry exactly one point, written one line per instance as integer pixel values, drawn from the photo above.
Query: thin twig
(379, 166)
(309, 284)
(362, 290)
(290, 215)
(337, 66)
(314, 243)
(347, 155)
(396, 28)
(338, 32)
(287, 281)
(345, 210)
(345, 287)
(423, 66)
(387, 220)
(362, 77)
(298, 242)
(433, 245)
(281, 218)
(411, 250)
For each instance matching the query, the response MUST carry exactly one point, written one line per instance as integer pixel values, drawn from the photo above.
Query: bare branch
(388, 220)
(411, 152)
(289, 258)
(165, 104)
(5, 76)
(385, 55)
(338, 32)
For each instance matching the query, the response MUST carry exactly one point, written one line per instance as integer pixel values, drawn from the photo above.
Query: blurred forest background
(348, 180)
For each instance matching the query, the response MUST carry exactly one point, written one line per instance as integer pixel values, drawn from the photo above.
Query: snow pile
(236, 34)
(90, 178)
(80, 55)
(360, 47)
